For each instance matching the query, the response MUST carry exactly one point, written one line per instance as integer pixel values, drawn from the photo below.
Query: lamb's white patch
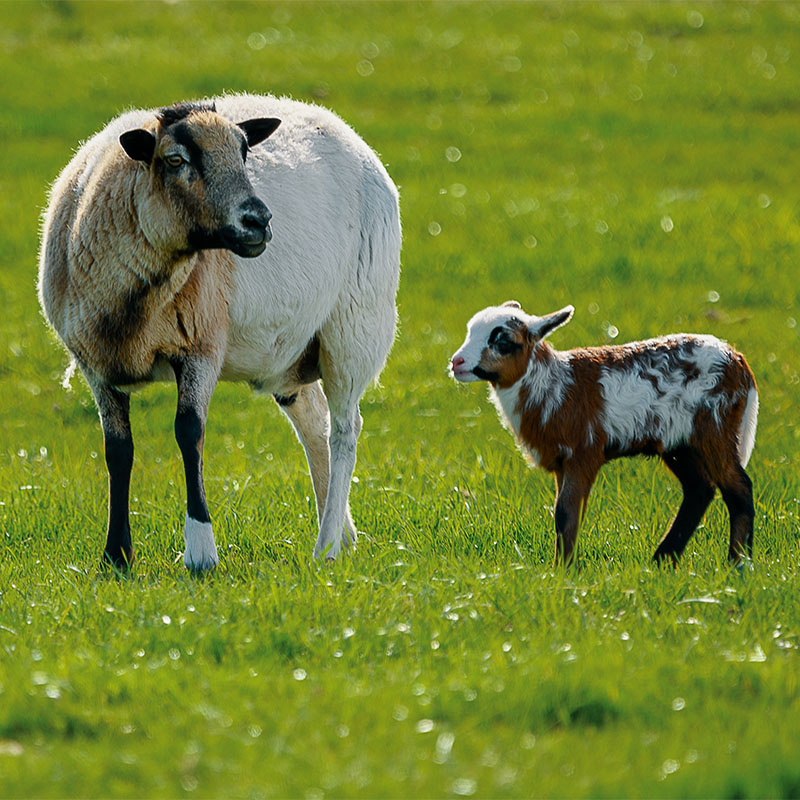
(547, 383)
(506, 401)
(201, 550)
(747, 431)
(655, 398)
(479, 329)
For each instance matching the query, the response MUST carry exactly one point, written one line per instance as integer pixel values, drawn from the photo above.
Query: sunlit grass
(635, 160)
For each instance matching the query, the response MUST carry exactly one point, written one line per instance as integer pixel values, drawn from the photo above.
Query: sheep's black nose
(255, 217)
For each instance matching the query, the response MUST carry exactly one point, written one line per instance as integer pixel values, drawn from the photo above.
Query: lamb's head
(499, 343)
(197, 195)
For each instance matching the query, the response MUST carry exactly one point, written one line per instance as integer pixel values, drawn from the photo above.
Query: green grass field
(638, 161)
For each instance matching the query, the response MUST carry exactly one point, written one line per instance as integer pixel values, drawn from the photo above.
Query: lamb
(689, 399)
(159, 260)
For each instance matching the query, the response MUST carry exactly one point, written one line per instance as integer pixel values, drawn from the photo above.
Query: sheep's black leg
(697, 495)
(738, 496)
(114, 408)
(196, 380)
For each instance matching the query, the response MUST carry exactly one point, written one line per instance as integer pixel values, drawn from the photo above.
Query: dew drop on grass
(667, 224)
(713, 297)
(452, 154)
(424, 726)
(464, 787)
(764, 201)
(365, 68)
(434, 228)
(444, 744)
(299, 674)
(678, 704)
(530, 242)
(400, 713)
(528, 741)
(695, 19)
(256, 41)
(11, 748)
(670, 766)
(166, 619)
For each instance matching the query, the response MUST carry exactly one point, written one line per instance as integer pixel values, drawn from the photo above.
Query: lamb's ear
(511, 304)
(256, 130)
(139, 144)
(539, 327)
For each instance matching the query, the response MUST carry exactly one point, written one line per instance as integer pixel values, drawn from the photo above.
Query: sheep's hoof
(201, 550)
(328, 552)
(120, 560)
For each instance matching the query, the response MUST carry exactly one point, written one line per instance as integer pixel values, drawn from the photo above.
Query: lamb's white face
(492, 335)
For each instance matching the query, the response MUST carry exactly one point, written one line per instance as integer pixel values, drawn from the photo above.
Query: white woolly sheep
(691, 400)
(154, 265)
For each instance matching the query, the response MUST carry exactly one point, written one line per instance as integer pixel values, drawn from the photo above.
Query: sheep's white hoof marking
(201, 551)
(328, 550)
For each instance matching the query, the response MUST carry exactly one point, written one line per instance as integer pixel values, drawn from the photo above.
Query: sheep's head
(199, 196)
(499, 343)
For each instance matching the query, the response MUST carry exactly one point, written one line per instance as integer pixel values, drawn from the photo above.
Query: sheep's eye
(174, 160)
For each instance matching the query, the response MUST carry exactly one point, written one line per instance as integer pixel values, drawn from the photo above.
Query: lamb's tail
(747, 428)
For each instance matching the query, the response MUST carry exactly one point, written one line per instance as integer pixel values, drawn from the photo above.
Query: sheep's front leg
(114, 408)
(196, 381)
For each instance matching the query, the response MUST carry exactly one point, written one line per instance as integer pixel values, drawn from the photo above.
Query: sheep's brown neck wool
(689, 399)
(161, 260)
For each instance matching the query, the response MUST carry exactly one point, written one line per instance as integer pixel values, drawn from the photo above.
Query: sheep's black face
(197, 163)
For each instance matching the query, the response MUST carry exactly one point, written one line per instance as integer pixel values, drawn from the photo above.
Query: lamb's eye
(174, 160)
(505, 346)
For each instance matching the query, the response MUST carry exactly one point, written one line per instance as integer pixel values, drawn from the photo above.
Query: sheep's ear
(511, 304)
(139, 144)
(539, 327)
(256, 130)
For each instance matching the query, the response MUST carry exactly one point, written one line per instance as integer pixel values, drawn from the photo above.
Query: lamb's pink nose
(457, 362)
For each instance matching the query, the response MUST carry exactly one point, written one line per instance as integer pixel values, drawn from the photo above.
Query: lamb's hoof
(744, 565)
(201, 550)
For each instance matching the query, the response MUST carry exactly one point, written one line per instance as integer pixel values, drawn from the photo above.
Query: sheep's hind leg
(196, 381)
(307, 410)
(698, 493)
(114, 408)
(348, 363)
(336, 525)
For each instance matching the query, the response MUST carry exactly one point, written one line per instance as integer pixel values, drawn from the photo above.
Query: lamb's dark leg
(697, 495)
(737, 492)
(574, 485)
(196, 381)
(114, 408)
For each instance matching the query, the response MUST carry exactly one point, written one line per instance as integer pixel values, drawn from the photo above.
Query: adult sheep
(154, 265)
